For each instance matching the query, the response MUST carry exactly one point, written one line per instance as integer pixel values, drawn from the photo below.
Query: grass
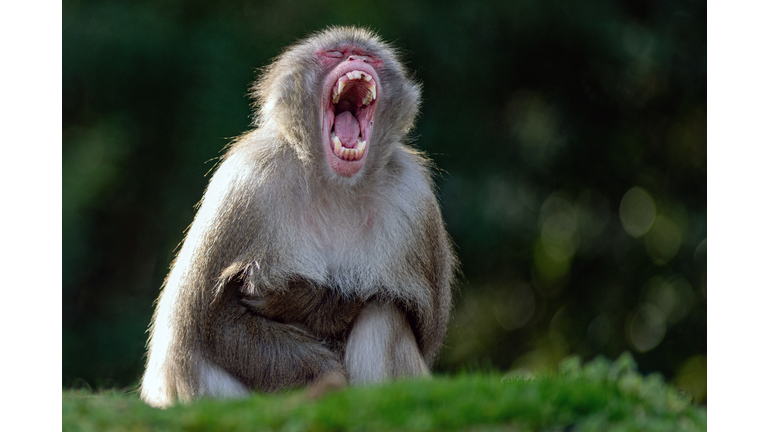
(598, 396)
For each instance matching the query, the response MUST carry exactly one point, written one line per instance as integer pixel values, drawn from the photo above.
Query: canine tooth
(361, 146)
(373, 89)
(336, 145)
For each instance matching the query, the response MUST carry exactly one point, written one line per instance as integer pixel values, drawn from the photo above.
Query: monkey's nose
(357, 57)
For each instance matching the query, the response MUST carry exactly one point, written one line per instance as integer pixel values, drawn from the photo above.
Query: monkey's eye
(334, 54)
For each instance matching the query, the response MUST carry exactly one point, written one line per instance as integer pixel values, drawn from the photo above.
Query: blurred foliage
(572, 138)
(598, 396)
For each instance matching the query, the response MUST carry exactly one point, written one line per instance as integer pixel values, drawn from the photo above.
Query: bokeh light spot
(692, 377)
(559, 228)
(551, 269)
(700, 260)
(558, 241)
(544, 358)
(560, 326)
(700, 255)
(536, 126)
(637, 211)
(646, 328)
(515, 306)
(673, 296)
(663, 240)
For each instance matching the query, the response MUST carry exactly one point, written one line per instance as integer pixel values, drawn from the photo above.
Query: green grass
(598, 396)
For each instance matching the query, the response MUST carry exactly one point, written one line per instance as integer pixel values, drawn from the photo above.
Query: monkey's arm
(323, 312)
(429, 255)
(438, 266)
(202, 342)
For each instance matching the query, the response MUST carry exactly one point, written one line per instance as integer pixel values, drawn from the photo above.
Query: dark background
(572, 136)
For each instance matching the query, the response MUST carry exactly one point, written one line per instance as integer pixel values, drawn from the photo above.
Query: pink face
(351, 92)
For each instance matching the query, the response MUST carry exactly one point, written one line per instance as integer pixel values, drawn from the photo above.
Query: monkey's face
(342, 100)
(350, 95)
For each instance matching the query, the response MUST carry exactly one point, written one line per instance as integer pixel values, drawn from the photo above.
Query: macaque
(318, 251)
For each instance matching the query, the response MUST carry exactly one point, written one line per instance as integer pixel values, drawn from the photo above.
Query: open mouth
(349, 114)
(351, 98)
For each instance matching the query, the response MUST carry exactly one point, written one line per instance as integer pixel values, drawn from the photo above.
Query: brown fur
(287, 265)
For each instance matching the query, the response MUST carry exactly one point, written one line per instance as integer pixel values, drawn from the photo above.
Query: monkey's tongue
(347, 129)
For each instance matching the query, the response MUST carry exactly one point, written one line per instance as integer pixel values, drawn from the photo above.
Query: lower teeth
(347, 153)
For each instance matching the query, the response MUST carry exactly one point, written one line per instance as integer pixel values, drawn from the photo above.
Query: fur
(291, 274)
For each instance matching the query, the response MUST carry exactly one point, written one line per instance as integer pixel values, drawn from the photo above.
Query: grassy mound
(597, 396)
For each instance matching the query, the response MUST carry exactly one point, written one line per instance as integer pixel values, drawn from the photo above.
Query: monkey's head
(341, 99)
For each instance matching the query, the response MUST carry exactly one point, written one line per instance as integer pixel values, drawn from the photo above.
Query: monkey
(318, 251)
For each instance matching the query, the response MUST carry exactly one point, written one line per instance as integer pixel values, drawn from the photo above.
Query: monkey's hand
(318, 309)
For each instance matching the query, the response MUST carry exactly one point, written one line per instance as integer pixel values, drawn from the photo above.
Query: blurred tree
(572, 139)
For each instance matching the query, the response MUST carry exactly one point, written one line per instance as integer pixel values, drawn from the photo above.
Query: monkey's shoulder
(411, 174)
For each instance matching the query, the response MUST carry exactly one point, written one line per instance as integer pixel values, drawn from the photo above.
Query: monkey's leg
(382, 346)
(269, 356)
(238, 352)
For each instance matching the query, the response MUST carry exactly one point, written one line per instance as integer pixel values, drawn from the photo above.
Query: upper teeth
(337, 91)
(355, 75)
(371, 95)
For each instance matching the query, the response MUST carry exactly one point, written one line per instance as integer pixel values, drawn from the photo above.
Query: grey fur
(284, 254)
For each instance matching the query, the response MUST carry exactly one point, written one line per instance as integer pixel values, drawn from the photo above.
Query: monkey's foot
(327, 383)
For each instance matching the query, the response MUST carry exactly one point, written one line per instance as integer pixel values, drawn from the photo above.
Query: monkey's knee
(382, 346)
